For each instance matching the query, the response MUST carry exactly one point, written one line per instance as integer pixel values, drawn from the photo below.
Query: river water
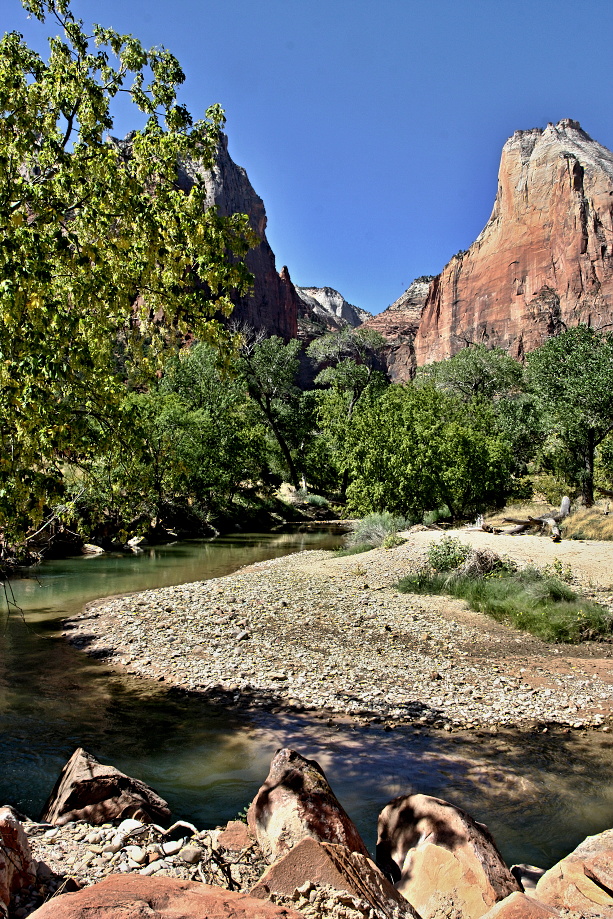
(540, 795)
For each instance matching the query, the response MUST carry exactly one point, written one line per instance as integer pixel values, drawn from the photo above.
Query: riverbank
(318, 633)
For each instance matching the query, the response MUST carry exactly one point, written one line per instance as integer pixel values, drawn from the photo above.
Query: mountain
(273, 303)
(543, 262)
(326, 307)
(399, 324)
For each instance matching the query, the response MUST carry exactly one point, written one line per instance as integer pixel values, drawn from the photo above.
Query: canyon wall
(544, 261)
(273, 303)
(399, 324)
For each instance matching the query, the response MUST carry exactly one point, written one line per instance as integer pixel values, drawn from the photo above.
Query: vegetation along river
(539, 794)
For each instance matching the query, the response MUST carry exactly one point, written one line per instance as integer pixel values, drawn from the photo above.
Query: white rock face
(332, 307)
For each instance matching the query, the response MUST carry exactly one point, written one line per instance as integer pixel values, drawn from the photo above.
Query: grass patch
(352, 550)
(528, 599)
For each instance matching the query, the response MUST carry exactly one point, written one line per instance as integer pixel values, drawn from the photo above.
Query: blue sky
(373, 130)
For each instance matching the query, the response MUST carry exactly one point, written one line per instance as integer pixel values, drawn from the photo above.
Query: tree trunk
(587, 484)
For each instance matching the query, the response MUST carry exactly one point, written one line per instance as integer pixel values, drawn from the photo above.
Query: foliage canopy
(98, 241)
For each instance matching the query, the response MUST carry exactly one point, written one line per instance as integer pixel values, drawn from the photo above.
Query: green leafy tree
(184, 450)
(351, 358)
(269, 367)
(97, 241)
(572, 377)
(415, 449)
(475, 372)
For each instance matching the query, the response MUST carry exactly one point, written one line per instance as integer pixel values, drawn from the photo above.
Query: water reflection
(539, 794)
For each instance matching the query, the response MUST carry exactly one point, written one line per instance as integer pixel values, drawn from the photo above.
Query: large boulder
(583, 881)
(17, 869)
(441, 859)
(87, 790)
(135, 897)
(296, 801)
(520, 906)
(327, 865)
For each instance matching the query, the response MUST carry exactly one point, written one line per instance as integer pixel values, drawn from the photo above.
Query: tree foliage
(97, 240)
(414, 449)
(475, 372)
(572, 377)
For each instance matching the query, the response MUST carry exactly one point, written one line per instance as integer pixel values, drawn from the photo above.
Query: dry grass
(589, 523)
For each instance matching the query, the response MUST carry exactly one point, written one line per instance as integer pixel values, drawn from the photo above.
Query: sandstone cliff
(273, 303)
(545, 258)
(399, 323)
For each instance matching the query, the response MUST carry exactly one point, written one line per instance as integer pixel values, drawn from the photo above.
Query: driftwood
(605, 491)
(550, 520)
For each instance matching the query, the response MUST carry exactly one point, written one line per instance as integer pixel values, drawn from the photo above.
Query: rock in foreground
(16, 865)
(296, 801)
(325, 864)
(134, 897)
(441, 859)
(583, 881)
(87, 790)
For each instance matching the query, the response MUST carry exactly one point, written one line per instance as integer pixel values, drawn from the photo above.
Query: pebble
(333, 634)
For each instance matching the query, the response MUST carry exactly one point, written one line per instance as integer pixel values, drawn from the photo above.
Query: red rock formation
(296, 801)
(399, 323)
(273, 303)
(545, 258)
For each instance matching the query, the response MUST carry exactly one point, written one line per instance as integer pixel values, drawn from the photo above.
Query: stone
(235, 836)
(324, 864)
(440, 858)
(133, 896)
(296, 801)
(544, 260)
(519, 906)
(87, 790)
(583, 881)
(191, 855)
(17, 868)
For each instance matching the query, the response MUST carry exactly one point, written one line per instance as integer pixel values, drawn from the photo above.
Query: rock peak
(545, 258)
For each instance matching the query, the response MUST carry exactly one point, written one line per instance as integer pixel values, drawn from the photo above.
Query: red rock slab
(16, 865)
(329, 865)
(519, 906)
(136, 897)
(583, 881)
(235, 836)
(296, 801)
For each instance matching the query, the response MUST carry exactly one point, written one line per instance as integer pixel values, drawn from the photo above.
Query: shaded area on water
(539, 794)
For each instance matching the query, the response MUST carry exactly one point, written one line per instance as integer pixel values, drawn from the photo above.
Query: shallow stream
(539, 794)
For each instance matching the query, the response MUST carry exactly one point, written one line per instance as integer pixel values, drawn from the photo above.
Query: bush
(374, 529)
(448, 554)
(352, 550)
(528, 599)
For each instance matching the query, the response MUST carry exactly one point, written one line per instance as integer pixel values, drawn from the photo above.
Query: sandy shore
(311, 631)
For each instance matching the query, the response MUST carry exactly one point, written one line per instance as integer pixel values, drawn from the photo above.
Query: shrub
(375, 528)
(448, 554)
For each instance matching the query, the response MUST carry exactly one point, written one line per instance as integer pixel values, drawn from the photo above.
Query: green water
(539, 794)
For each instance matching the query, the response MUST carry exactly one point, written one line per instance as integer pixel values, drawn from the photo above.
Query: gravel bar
(312, 631)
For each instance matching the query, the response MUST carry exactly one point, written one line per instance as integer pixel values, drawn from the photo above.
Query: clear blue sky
(373, 130)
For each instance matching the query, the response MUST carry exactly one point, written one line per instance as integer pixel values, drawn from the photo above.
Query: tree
(572, 377)
(475, 372)
(351, 358)
(415, 449)
(269, 366)
(98, 241)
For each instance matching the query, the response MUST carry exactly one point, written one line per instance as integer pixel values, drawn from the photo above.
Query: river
(539, 794)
